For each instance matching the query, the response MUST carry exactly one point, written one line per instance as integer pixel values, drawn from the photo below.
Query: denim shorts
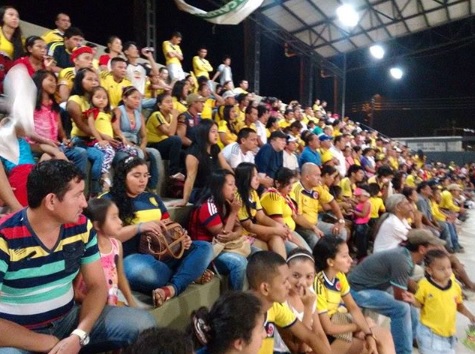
(431, 343)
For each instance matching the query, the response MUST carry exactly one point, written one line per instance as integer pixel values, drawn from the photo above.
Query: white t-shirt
(291, 161)
(138, 76)
(391, 233)
(226, 74)
(261, 131)
(234, 155)
(338, 154)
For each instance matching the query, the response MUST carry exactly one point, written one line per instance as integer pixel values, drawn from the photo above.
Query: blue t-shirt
(269, 161)
(309, 155)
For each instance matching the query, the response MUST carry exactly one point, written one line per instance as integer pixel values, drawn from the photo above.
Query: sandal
(161, 295)
(206, 277)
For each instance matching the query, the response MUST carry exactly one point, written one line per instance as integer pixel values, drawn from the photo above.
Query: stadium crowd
(295, 196)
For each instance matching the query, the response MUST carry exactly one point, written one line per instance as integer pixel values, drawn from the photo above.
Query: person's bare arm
(122, 280)
(6, 193)
(76, 115)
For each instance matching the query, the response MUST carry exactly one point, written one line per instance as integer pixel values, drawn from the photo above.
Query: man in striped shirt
(42, 249)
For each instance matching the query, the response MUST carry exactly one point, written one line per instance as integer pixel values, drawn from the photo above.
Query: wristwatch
(83, 336)
(341, 221)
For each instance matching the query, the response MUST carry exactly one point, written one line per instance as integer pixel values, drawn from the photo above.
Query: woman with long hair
(114, 49)
(78, 104)
(142, 211)
(235, 324)
(203, 157)
(262, 231)
(227, 133)
(11, 39)
(215, 219)
(180, 91)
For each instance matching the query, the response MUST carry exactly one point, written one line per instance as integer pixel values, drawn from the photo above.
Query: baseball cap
(228, 94)
(454, 187)
(418, 237)
(81, 50)
(291, 139)
(324, 137)
(194, 97)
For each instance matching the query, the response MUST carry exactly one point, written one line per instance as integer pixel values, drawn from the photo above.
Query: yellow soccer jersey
(113, 87)
(84, 106)
(53, 36)
(439, 305)
(180, 107)
(154, 135)
(103, 124)
(275, 205)
(330, 293)
(285, 123)
(377, 207)
(208, 106)
(278, 315)
(241, 124)
(167, 47)
(65, 77)
(347, 188)
(243, 215)
(201, 67)
(309, 202)
(447, 202)
(438, 215)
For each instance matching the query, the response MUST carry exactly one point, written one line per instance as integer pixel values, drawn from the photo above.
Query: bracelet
(139, 228)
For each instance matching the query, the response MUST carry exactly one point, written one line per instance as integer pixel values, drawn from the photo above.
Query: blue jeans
(116, 327)
(234, 265)
(145, 273)
(96, 157)
(77, 155)
(431, 343)
(404, 318)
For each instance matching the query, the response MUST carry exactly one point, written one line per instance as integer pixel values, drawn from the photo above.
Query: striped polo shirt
(35, 282)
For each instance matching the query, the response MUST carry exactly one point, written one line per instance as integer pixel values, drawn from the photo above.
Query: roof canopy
(314, 22)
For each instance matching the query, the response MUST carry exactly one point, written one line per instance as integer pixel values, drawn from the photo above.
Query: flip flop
(206, 277)
(161, 295)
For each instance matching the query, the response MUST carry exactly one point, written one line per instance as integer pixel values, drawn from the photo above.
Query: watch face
(85, 341)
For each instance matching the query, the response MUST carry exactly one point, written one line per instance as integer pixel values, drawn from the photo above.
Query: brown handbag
(168, 244)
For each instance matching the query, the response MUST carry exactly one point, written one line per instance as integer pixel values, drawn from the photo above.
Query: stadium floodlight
(396, 72)
(347, 15)
(377, 51)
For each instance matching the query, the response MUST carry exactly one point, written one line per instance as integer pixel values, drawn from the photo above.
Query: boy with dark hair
(267, 274)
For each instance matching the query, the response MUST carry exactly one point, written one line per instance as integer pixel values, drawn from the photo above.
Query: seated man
(61, 51)
(309, 193)
(268, 273)
(62, 22)
(270, 157)
(52, 241)
(243, 149)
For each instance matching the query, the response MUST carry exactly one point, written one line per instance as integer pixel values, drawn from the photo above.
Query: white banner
(230, 14)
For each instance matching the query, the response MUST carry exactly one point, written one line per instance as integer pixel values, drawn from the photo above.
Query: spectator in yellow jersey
(242, 88)
(242, 103)
(180, 91)
(62, 22)
(115, 80)
(161, 134)
(268, 276)
(201, 66)
(249, 120)
(61, 51)
(449, 197)
(227, 133)
(11, 38)
(210, 103)
(174, 56)
(288, 118)
(82, 58)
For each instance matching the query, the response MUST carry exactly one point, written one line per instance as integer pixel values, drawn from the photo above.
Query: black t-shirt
(204, 167)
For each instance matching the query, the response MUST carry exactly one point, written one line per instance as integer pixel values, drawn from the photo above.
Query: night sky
(441, 74)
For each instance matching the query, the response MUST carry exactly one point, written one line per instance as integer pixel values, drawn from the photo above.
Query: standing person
(38, 313)
(174, 56)
(11, 38)
(215, 217)
(201, 66)
(78, 103)
(381, 283)
(224, 72)
(62, 22)
(202, 158)
(113, 50)
(104, 215)
(235, 324)
(440, 298)
(143, 211)
(334, 302)
(362, 215)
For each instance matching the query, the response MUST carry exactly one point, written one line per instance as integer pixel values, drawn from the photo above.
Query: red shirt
(25, 61)
(207, 215)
